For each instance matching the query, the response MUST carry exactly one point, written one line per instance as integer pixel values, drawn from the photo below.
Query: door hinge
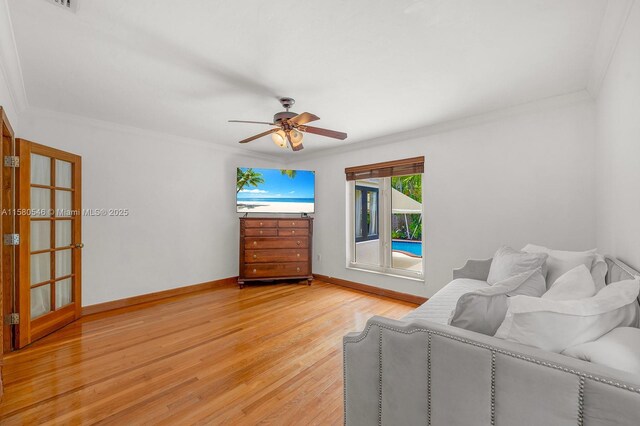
(11, 239)
(13, 319)
(11, 161)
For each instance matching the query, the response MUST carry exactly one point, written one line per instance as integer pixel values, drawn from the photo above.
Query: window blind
(408, 166)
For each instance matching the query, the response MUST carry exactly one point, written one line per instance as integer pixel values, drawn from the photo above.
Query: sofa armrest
(398, 372)
(474, 269)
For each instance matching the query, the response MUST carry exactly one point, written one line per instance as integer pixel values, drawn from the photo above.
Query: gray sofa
(421, 372)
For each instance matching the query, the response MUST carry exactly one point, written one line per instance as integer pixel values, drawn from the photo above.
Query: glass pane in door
(366, 222)
(63, 293)
(63, 233)
(40, 300)
(40, 170)
(63, 263)
(63, 174)
(372, 213)
(40, 235)
(40, 268)
(63, 203)
(358, 213)
(40, 202)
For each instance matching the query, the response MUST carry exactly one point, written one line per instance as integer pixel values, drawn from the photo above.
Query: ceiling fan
(290, 127)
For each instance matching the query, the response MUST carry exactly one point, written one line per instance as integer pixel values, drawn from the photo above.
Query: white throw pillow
(599, 272)
(619, 348)
(483, 310)
(574, 284)
(555, 325)
(508, 262)
(560, 261)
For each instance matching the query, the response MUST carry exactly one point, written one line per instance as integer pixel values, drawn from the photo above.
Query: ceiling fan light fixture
(296, 137)
(279, 138)
(289, 127)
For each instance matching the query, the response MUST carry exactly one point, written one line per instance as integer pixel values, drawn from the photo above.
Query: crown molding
(544, 104)
(10, 60)
(78, 120)
(615, 18)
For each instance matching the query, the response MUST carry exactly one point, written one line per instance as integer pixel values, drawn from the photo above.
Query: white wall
(7, 103)
(618, 148)
(517, 179)
(9, 69)
(182, 229)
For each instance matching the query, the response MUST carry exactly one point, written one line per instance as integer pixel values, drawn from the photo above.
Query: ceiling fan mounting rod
(287, 103)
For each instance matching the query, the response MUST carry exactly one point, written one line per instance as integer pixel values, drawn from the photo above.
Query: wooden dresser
(275, 248)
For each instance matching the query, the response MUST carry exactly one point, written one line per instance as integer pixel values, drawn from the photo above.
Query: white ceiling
(367, 67)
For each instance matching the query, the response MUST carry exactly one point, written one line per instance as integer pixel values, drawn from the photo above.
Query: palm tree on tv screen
(290, 173)
(247, 178)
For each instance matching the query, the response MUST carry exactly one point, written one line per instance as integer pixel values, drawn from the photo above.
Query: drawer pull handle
(298, 255)
(297, 269)
(254, 270)
(260, 223)
(293, 224)
(255, 243)
(293, 232)
(255, 256)
(261, 232)
(298, 242)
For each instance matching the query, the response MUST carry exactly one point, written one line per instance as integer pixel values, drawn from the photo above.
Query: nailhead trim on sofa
(494, 350)
(428, 379)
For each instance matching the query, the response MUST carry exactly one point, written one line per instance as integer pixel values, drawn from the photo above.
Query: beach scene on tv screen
(274, 191)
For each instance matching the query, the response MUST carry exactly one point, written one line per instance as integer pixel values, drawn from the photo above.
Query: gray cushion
(484, 310)
(439, 306)
(508, 262)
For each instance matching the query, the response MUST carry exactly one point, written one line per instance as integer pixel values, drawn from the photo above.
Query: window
(366, 208)
(385, 217)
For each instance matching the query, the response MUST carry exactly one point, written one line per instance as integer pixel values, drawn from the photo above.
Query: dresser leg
(241, 284)
(309, 281)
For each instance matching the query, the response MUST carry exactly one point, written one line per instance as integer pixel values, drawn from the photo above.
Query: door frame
(24, 334)
(7, 143)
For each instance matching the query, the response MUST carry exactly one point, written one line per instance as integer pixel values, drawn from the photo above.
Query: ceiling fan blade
(252, 122)
(297, 148)
(323, 132)
(304, 118)
(268, 132)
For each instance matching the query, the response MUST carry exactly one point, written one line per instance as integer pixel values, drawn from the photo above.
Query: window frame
(385, 264)
(363, 222)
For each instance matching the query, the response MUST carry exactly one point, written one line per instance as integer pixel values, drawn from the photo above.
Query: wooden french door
(49, 227)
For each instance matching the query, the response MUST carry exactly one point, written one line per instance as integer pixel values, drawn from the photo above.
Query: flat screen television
(275, 191)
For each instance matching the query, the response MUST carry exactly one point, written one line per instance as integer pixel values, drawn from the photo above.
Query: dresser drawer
(258, 243)
(260, 223)
(293, 223)
(267, 270)
(279, 255)
(293, 232)
(257, 232)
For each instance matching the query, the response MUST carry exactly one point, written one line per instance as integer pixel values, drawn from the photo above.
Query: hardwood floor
(268, 354)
